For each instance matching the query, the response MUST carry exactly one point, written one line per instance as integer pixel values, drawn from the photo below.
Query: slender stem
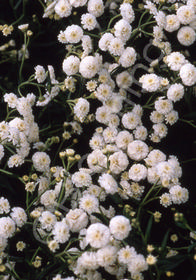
(26, 42)
(188, 122)
(189, 160)
(112, 19)
(41, 3)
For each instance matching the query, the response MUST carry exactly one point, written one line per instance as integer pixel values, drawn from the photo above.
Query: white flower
(87, 44)
(107, 255)
(15, 160)
(173, 161)
(152, 176)
(73, 33)
(1, 152)
(88, 260)
(188, 74)
(103, 92)
(81, 109)
(154, 157)
(96, 142)
(19, 216)
(41, 161)
(137, 172)
(97, 161)
(175, 92)
(95, 7)
(98, 235)
(127, 12)
(114, 121)
(89, 203)
(77, 219)
(61, 232)
(137, 150)
(109, 134)
(185, 14)
(172, 117)
(61, 37)
(175, 60)
(77, 3)
(7, 227)
(126, 254)
(114, 104)
(137, 264)
(128, 57)
(192, 4)
(89, 67)
(160, 129)
(63, 8)
(40, 74)
(150, 82)
(118, 162)
(178, 194)
(163, 106)
(88, 21)
(165, 199)
(160, 18)
(71, 65)
(11, 99)
(108, 183)
(102, 114)
(158, 33)
(156, 117)
(47, 220)
(165, 170)
(116, 46)
(4, 205)
(123, 139)
(105, 40)
(81, 179)
(120, 227)
(122, 30)
(172, 23)
(186, 36)
(124, 80)
(140, 133)
(48, 198)
(3, 243)
(53, 246)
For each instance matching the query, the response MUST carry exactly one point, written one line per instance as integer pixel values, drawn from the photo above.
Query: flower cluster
(87, 209)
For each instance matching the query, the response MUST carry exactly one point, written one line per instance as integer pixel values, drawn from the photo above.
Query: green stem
(34, 255)
(188, 122)
(189, 160)
(41, 4)
(112, 19)
(26, 42)
(7, 172)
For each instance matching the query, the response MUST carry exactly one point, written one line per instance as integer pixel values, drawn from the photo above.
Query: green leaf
(172, 262)
(192, 246)
(165, 238)
(148, 229)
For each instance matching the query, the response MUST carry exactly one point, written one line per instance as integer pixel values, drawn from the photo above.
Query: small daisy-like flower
(151, 260)
(89, 203)
(81, 178)
(40, 74)
(88, 21)
(165, 199)
(98, 235)
(73, 33)
(20, 246)
(186, 36)
(120, 227)
(150, 82)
